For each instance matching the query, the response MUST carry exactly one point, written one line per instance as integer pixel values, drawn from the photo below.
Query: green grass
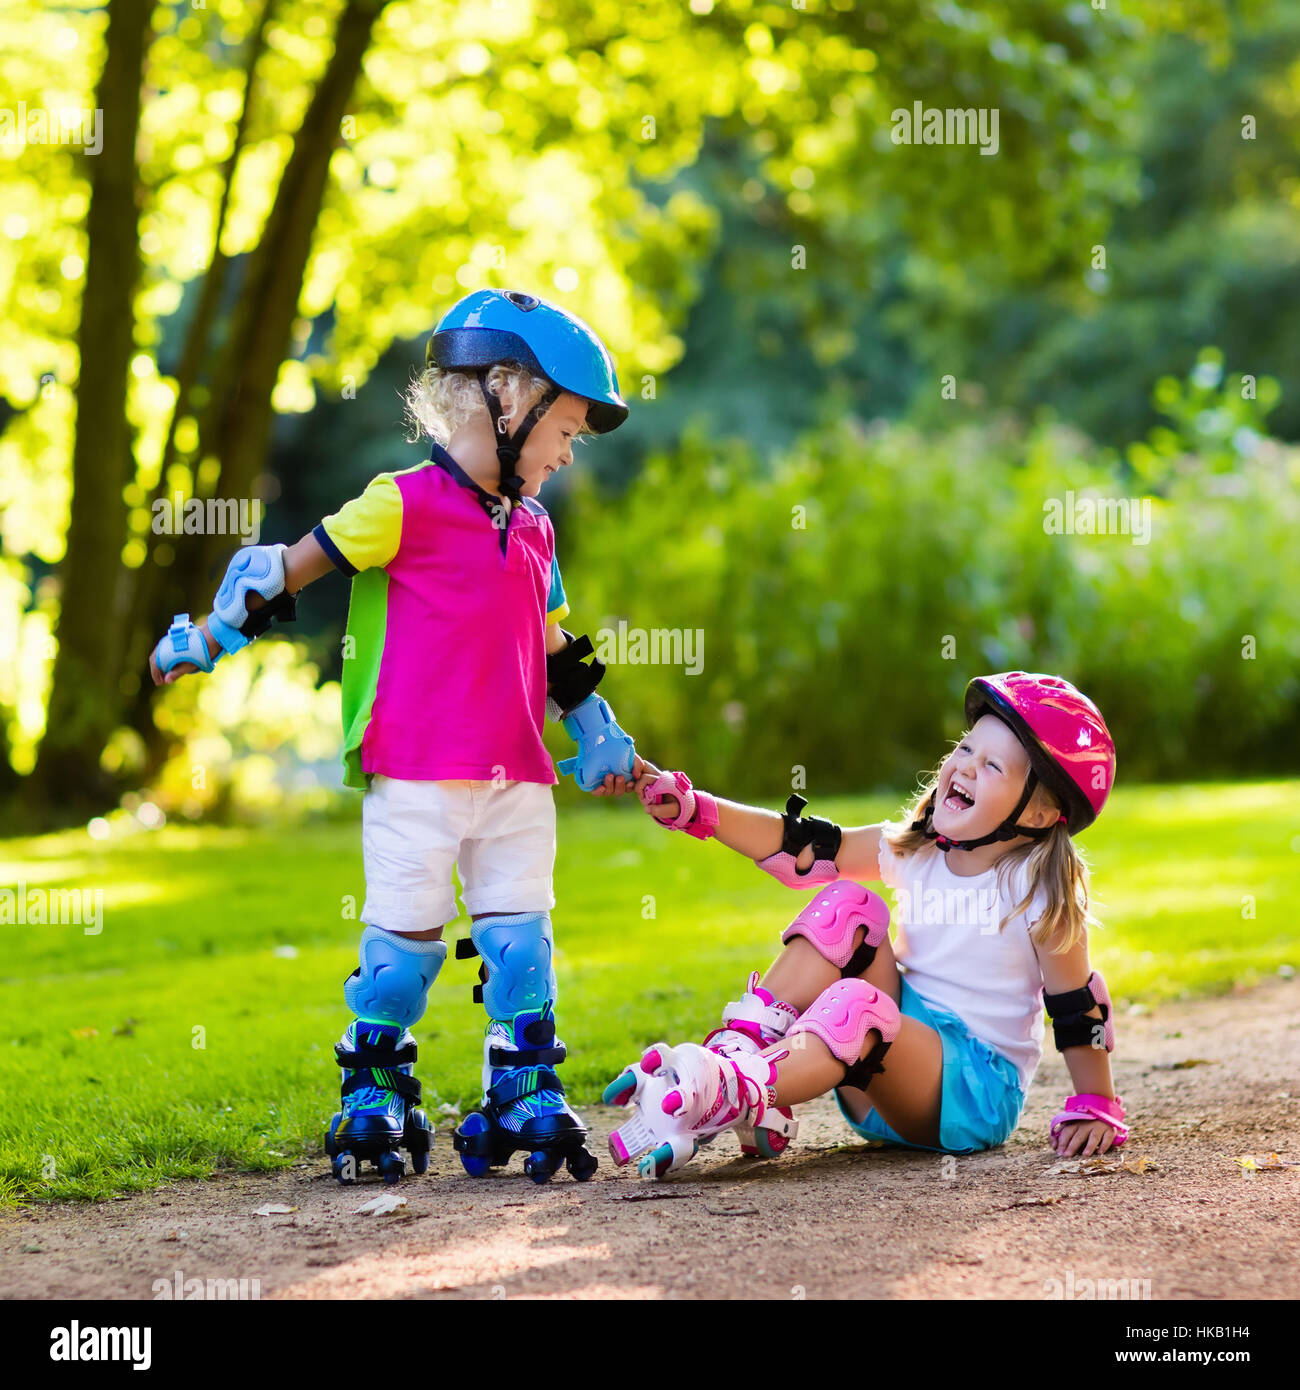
(105, 1088)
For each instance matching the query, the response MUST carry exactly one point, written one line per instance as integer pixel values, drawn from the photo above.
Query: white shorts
(501, 837)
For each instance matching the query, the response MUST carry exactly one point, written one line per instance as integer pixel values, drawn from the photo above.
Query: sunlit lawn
(177, 1040)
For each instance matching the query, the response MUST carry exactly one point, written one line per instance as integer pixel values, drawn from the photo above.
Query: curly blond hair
(437, 403)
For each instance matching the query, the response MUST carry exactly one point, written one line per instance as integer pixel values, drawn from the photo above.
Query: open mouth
(958, 800)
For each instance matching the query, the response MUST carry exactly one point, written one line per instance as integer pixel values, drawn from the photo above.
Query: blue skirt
(981, 1100)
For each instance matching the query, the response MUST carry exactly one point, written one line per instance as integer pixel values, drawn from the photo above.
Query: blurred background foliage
(714, 187)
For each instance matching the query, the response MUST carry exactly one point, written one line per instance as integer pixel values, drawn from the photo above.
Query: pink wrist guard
(697, 811)
(1093, 1107)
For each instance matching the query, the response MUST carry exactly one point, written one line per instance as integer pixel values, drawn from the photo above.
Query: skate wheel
(581, 1165)
(621, 1090)
(541, 1166)
(344, 1167)
(391, 1166)
(330, 1147)
(651, 1060)
(769, 1144)
(476, 1165)
(418, 1140)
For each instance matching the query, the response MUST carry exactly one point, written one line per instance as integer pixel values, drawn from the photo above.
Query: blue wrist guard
(184, 642)
(602, 746)
(257, 569)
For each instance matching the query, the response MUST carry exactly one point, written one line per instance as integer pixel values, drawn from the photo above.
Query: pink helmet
(1069, 745)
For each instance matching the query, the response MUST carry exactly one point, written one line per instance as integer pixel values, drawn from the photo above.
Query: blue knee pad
(516, 949)
(391, 985)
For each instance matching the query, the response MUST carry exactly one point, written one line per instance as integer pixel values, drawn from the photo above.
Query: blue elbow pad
(602, 746)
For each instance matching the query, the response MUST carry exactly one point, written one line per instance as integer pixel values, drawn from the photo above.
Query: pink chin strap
(1089, 1106)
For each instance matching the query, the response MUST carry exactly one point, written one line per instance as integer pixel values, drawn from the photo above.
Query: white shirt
(956, 959)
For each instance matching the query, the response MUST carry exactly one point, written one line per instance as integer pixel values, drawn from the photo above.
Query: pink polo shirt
(444, 671)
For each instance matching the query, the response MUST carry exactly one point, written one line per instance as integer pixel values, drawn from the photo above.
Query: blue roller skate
(523, 1108)
(380, 1096)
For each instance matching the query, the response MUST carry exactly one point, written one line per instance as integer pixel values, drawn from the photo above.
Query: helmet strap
(1008, 830)
(510, 447)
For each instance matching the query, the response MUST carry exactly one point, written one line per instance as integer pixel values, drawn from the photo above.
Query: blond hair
(438, 402)
(1053, 865)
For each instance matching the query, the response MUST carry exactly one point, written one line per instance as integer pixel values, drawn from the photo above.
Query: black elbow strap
(1071, 1026)
(282, 608)
(571, 679)
(800, 831)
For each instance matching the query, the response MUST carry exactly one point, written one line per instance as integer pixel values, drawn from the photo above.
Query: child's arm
(759, 835)
(1084, 1037)
(303, 562)
(557, 640)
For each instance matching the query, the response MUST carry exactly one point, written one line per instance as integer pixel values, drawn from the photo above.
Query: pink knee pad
(832, 917)
(843, 1014)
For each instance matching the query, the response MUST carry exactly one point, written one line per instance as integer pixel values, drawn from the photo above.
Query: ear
(1042, 812)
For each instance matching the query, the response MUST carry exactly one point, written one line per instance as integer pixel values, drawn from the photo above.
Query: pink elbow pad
(783, 868)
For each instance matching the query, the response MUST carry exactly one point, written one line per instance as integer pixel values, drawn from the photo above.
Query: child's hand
(666, 810)
(1092, 1136)
(183, 668)
(619, 786)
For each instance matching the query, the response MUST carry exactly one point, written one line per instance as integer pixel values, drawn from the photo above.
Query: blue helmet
(503, 325)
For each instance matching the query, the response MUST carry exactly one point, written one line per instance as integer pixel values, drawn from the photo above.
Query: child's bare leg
(800, 973)
(907, 1093)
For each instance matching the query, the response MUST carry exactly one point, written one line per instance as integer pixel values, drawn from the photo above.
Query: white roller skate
(749, 1024)
(681, 1097)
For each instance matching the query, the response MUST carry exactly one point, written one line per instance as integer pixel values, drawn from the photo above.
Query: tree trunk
(85, 699)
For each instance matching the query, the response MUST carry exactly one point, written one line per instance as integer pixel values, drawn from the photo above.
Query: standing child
(993, 902)
(454, 651)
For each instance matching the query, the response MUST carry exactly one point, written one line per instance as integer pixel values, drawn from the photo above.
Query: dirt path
(833, 1219)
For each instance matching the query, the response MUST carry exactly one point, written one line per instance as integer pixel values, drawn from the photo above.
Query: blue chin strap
(391, 985)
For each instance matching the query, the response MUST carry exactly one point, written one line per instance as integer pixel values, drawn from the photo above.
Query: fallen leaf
(1187, 1062)
(32, 1249)
(176, 1235)
(1095, 1167)
(272, 1209)
(380, 1206)
(1036, 1202)
(732, 1211)
(1253, 1165)
(84, 1032)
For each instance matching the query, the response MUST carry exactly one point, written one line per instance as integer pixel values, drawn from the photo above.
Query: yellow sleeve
(366, 531)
